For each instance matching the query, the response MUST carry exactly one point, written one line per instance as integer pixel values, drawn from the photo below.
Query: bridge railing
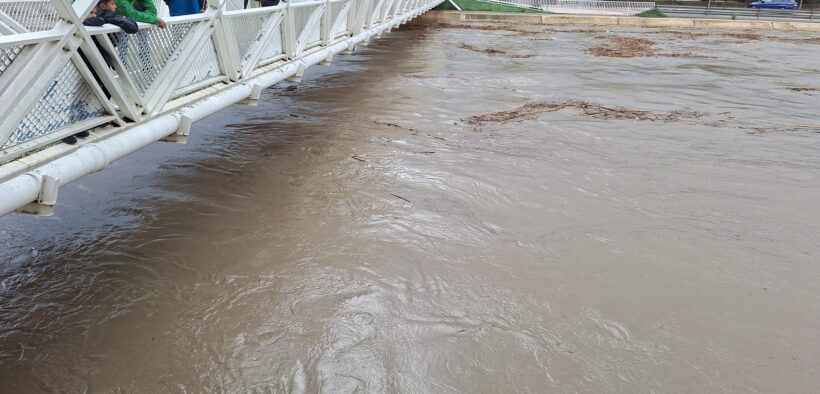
(592, 7)
(599, 7)
(806, 15)
(58, 77)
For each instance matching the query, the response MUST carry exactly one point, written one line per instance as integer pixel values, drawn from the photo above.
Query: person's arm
(148, 6)
(94, 21)
(127, 25)
(127, 10)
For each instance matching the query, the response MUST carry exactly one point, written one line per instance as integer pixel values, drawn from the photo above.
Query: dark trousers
(107, 59)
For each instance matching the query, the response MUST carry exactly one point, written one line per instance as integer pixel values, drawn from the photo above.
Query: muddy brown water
(359, 234)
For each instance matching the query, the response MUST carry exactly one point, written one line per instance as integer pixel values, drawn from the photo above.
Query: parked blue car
(779, 4)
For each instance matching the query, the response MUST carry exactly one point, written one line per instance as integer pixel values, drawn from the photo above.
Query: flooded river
(652, 225)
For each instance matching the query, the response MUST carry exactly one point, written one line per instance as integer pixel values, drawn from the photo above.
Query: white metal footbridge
(58, 77)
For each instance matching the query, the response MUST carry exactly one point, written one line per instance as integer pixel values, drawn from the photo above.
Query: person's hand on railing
(161, 23)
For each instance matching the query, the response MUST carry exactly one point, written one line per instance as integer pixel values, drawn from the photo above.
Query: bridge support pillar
(328, 59)
(44, 205)
(181, 135)
(300, 72)
(350, 48)
(256, 93)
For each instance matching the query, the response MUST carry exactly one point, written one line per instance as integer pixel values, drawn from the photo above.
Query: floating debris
(575, 30)
(783, 129)
(624, 47)
(399, 197)
(492, 51)
(746, 36)
(813, 40)
(688, 55)
(387, 124)
(743, 36)
(290, 90)
(636, 47)
(686, 35)
(593, 110)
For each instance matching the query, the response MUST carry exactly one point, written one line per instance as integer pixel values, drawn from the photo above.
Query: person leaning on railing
(140, 11)
(103, 13)
(106, 12)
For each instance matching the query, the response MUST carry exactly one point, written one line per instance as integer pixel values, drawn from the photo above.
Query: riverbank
(555, 19)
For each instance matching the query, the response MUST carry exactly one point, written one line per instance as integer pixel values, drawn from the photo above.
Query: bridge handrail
(29, 38)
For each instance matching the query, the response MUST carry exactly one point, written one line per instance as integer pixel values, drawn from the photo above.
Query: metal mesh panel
(248, 30)
(7, 56)
(33, 15)
(145, 54)
(396, 7)
(68, 100)
(204, 66)
(275, 47)
(382, 15)
(384, 10)
(335, 9)
(376, 15)
(300, 17)
(360, 12)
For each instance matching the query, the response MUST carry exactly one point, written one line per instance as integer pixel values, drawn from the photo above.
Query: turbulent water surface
(363, 233)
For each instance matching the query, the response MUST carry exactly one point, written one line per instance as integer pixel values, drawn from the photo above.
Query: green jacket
(138, 10)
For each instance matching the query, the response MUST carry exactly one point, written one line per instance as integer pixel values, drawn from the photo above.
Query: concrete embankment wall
(552, 19)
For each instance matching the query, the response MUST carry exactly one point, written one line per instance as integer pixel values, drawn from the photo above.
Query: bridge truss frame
(58, 77)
